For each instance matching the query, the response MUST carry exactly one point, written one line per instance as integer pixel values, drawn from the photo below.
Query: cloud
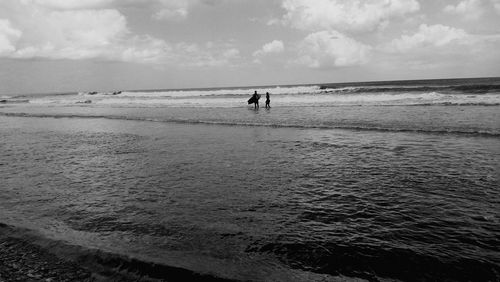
(438, 46)
(345, 15)
(434, 35)
(469, 9)
(275, 46)
(8, 37)
(66, 30)
(327, 49)
(67, 34)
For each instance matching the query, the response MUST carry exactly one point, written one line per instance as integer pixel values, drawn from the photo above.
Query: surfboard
(252, 100)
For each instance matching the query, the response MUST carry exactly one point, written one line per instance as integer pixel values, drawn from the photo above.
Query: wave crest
(466, 89)
(275, 90)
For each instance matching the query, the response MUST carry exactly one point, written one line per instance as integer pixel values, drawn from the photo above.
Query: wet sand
(21, 260)
(26, 257)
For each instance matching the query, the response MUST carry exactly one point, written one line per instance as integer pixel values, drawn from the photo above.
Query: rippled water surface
(386, 198)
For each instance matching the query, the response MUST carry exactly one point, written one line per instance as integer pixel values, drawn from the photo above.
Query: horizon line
(252, 86)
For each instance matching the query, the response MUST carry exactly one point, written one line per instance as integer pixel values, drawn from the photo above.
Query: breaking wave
(475, 89)
(296, 96)
(276, 90)
(338, 88)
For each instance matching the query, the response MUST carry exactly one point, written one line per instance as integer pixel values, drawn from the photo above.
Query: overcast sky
(84, 45)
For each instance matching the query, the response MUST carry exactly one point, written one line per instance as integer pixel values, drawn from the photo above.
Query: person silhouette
(268, 101)
(256, 98)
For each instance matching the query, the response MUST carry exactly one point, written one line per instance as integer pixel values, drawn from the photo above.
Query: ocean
(377, 181)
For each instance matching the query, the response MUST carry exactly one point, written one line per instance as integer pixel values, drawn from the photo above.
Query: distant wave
(485, 133)
(466, 89)
(310, 96)
(305, 89)
(277, 90)
(459, 103)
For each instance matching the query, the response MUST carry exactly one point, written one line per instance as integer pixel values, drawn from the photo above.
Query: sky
(103, 45)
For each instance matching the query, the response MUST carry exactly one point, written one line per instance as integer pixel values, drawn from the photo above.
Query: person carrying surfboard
(255, 100)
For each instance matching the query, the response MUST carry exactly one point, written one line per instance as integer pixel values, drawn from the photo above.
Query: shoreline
(21, 260)
(26, 257)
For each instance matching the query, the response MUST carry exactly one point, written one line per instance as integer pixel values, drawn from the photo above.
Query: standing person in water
(256, 98)
(268, 101)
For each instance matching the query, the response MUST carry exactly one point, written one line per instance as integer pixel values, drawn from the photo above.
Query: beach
(255, 140)
(25, 256)
(24, 261)
(348, 183)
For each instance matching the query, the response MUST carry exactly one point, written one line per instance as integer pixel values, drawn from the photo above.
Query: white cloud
(326, 49)
(345, 15)
(469, 9)
(8, 37)
(438, 47)
(275, 46)
(69, 31)
(434, 36)
(69, 34)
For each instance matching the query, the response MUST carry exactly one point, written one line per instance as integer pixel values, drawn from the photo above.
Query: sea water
(384, 180)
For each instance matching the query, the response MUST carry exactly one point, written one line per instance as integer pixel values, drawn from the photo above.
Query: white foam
(214, 92)
(289, 96)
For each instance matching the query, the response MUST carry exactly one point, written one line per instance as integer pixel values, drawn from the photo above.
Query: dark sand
(24, 261)
(26, 257)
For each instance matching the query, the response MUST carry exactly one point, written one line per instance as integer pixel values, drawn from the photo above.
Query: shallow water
(272, 203)
(474, 120)
(378, 180)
